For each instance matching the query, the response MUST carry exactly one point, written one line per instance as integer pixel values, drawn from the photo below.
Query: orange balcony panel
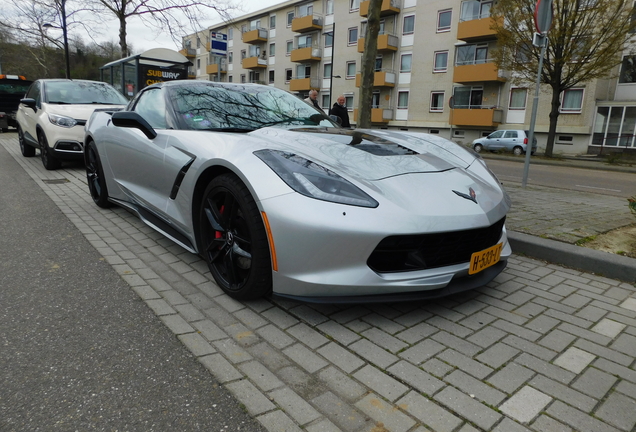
(386, 42)
(478, 29)
(477, 73)
(378, 115)
(254, 63)
(302, 84)
(214, 69)
(254, 36)
(306, 54)
(188, 52)
(387, 8)
(475, 117)
(380, 79)
(306, 23)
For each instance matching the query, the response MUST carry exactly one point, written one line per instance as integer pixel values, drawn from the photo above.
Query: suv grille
(427, 251)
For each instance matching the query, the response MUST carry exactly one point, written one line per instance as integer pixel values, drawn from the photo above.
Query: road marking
(592, 187)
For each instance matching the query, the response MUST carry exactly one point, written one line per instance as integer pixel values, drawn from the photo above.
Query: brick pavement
(541, 348)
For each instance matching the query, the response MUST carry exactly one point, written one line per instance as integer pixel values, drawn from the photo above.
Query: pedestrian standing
(312, 99)
(340, 110)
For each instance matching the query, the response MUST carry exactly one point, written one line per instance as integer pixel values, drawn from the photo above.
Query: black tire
(517, 151)
(25, 149)
(49, 161)
(233, 239)
(478, 148)
(95, 177)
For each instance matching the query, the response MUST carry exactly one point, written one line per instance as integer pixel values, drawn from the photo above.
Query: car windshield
(82, 92)
(242, 108)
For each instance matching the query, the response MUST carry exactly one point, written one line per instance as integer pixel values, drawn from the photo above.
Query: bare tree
(367, 68)
(586, 42)
(175, 17)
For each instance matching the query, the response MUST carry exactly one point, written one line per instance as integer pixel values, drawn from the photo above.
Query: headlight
(313, 180)
(62, 121)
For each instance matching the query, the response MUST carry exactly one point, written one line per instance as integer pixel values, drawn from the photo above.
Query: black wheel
(49, 162)
(517, 151)
(95, 177)
(478, 148)
(233, 239)
(25, 149)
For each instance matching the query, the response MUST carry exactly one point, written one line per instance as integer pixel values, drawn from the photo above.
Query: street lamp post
(64, 35)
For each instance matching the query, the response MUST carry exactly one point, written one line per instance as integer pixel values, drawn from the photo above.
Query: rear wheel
(25, 149)
(478, 148)
(95, 177)
(517, 151)
(233, 239)
(50, 162)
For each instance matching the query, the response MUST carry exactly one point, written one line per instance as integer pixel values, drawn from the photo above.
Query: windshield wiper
(228, 129)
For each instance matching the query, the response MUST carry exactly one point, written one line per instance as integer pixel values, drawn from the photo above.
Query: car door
(28, 117)
(492, 141)
(136, 161)
(511, 139)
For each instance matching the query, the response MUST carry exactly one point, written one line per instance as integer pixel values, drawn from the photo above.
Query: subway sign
(154, 74)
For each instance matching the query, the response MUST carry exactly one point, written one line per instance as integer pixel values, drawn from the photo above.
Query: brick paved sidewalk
(542, 348)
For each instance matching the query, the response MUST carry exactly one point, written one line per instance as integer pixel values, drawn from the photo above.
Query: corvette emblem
(471, 195)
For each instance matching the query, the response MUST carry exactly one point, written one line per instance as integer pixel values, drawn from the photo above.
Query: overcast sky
(143, 39)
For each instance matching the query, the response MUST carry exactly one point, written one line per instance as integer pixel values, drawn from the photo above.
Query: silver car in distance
(279, 200)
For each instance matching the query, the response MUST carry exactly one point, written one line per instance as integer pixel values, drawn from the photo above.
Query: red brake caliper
(218, 234)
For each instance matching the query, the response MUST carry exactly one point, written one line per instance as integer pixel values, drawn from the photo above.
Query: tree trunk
(123, 45)
(554, 118)
(367, 69)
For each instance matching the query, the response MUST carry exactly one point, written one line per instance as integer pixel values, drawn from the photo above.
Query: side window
(152, 107)
(496, 134)
(34, 92)
(510, 134)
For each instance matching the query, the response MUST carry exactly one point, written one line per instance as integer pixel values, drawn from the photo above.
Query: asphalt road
(586, 180)
(79, 350)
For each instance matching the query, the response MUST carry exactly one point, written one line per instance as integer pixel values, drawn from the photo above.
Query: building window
(518, 98)
(230, 57)
(198, 63)
(444, 20)
(305, 10)
(349, 102)
(409, 25)
(329, 7)
(353, 36)
(325, 101)
(328, 40)
(351, 70)
(628, 70)
(476, 9)
(272, 50)
(472, 54)
(572, 101)
(405, 63)
(230, 79)
(271, 77)
(230, 33)
(441, 61)
(290, 47)
(242, 54)
(327, 70)
(288, 75)
(272, 22)
(304, 41)
(242, 78)
(303, 71)
(437, 101)
(290, 18)
(403, 100)
(354, 5)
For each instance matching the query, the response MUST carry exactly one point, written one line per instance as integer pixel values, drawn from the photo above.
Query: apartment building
(431, 54)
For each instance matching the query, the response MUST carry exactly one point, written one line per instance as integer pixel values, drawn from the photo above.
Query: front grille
(426, 251)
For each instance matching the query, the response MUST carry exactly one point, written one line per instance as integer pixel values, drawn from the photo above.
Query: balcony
(304, 54)
(256, 36)
(485, 117)
(214, 69)
(188, 52)
(304, 84)
(389, 7)
(477, 72)
(380, 79)
(307, 23)
(191, 73)
(255, 62)
(378, 115)
(386, 42)
(479, 29)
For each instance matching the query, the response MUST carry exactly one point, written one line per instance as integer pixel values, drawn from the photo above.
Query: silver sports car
(278, 199)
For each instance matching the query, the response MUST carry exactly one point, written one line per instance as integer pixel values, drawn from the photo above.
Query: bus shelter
(131, 74)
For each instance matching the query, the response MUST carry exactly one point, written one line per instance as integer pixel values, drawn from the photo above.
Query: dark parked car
(12, 89)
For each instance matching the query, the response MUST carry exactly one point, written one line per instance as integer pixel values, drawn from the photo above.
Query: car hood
(370, 154)
(78, 112)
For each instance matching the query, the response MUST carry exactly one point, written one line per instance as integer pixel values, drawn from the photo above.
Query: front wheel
(25, 149)
(50, 162)
(517, 151)
(478, 148)
(95, 177)
(233, 239)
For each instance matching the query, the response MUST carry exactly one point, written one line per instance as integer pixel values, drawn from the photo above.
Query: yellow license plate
(483, 259)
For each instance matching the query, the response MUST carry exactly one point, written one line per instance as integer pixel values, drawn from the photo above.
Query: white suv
(512, 140)
(53, 113)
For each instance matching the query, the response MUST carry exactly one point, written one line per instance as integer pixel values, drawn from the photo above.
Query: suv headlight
(313, 180)
(62, 121)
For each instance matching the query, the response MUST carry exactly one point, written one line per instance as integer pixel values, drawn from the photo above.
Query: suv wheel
(517, 151)
(50, 162)
(478, 148)
(25, 149)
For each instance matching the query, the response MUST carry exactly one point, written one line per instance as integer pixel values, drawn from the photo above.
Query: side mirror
(130, 119)
(336, 119)
(30, 102)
